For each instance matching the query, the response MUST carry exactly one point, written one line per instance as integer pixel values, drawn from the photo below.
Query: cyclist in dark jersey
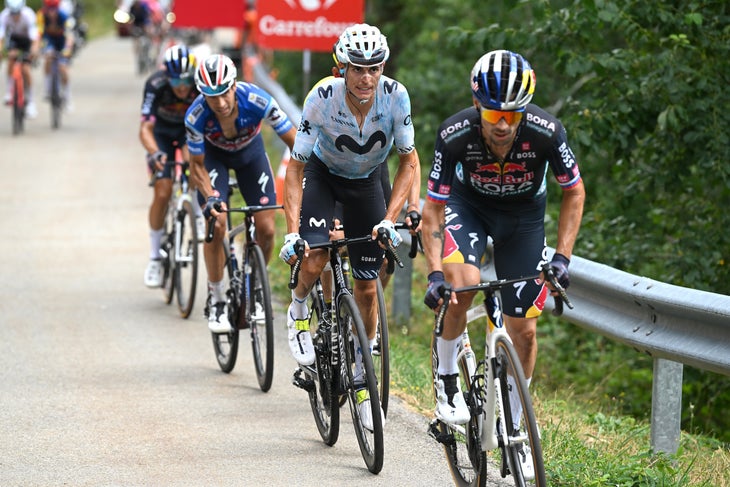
(167, 95)
(488, 179)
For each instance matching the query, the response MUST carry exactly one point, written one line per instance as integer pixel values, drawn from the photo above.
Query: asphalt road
(101, 383)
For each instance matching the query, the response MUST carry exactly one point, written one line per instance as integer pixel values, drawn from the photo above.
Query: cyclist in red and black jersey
(167, 95)
(488, 179)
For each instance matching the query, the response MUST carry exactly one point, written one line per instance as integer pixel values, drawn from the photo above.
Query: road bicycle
(248, 296)
(179, 247)
(338, 331)
(486, 384)
(381, 347)
(19, 99)
(56, 94)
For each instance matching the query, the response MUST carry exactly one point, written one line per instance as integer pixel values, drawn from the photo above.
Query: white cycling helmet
(215, 75)
(362, 45)
(15, 6)
(503, 80)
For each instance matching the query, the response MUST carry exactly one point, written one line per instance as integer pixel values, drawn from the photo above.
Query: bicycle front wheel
(462, 443)
(381, 351)
(262, 318)
(324, 396)
(363, 385)
(226, 344)
(56, 101)
(186, 259)
(18, 107)
(522, 433)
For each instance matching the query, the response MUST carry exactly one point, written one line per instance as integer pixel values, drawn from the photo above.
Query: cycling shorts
(518, 233)
(252, 168)
(21, 43)
(363, 207)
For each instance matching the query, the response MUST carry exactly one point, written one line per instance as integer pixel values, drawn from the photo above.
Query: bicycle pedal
(301, 382)
(443, 438)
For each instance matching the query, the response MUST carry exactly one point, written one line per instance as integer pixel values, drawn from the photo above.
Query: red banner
(209, 14)
(296, 25)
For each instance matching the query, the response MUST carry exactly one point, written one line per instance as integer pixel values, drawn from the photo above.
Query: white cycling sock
(447, 351)
(155, 241)
(298, 307)
(217, 291)
(515, 405)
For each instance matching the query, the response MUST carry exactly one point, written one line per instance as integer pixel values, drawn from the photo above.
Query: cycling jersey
(330, 131)
(55, 26)
(162, 106)
(460, 151)
(254, 106)
(18, 32)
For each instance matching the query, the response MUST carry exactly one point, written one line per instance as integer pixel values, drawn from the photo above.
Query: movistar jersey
(254, 106)
(330, 131)
(463, 163)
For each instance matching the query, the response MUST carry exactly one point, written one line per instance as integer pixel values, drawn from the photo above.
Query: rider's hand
(436, 284)
(560, 268)
(214, 203)
(156, 160)
(390, 231)
(413, 219)
(287, 250)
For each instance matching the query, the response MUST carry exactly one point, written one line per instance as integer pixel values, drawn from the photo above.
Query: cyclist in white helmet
(19, 35)
(349, 125)
(489, 179)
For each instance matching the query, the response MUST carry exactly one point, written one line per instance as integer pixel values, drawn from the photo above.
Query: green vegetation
(640, 87)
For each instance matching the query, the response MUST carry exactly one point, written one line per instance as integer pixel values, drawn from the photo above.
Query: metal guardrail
(672, 324)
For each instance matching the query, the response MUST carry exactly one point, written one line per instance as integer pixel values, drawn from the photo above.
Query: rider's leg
(156, 216)
(265, 229)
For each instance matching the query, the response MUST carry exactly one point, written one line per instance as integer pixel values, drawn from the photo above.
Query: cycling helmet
(15, 6)
(364, 45)
(180, 63)
(51, 3)
(338, 53)
(503, 80)
(215, 75)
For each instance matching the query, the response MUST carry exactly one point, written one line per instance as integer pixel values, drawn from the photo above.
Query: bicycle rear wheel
(324, 397)
(262, 317)
(167, 251)
(186, 259)
(226, 344)
(523, 434)
(381, 351)
(353, 330)
(462, 443)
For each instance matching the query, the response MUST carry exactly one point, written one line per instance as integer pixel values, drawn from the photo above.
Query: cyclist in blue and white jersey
(19, 35)
(224, 133)
(488, 179)
(56, 28)
(348, 127)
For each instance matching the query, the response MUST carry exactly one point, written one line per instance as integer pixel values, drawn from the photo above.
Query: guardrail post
(666, 405)
(402, 282)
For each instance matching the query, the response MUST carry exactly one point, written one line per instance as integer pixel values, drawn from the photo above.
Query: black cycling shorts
(363, 207)
(518, 233)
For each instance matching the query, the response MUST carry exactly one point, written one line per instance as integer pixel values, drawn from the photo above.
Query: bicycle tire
(262, 330)
(186, 267)
(18, 112)
(167, 249)
(226, 344)
(56, 100)
(381, 351)
(352, 328)
(462, 445)
(323, 399)
(508, 363)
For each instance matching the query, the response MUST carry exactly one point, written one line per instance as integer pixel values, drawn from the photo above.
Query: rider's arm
(147, 136)
(293, 194)
(432, 233)
(408, 164)
(199, 175)
(571, 213)
(289, 136)
(414, 196)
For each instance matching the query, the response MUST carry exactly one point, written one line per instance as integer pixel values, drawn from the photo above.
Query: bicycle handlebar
(248, 210)
(547, 272)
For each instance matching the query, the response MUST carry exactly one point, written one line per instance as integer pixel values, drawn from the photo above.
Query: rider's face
(500, 134)
(224, 104)
(363, 81)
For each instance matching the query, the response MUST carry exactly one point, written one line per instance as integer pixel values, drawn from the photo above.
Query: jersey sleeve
(194, 123)
(441, 175)
(562, 161)
(308, 130)
(403, 131)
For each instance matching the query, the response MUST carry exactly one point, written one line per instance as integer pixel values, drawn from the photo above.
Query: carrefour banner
(296, 25)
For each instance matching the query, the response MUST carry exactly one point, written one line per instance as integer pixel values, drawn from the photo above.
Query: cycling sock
(447, 351)
(515, 405)
(298, 307)
(155, 241)
(217, 291)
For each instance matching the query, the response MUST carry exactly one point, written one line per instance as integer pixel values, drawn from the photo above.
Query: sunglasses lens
(494, 116)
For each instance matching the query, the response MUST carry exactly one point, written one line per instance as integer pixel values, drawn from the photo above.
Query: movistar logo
(350, 143)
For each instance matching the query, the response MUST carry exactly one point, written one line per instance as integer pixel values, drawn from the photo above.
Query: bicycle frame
(181, 194)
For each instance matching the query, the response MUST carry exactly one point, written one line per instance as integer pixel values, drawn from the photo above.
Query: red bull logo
(451, 248)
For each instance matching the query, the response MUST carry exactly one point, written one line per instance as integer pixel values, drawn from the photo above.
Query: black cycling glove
(436, 284)
(560, 265)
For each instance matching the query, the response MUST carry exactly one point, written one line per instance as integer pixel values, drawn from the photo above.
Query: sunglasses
(175, 82)
(494, 116)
